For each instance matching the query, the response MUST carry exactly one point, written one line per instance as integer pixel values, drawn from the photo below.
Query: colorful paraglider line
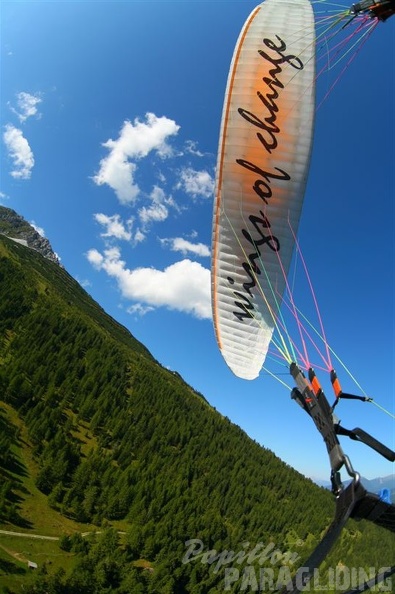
(345, 32)
(340, 51)
(276, 316)
(290, 352)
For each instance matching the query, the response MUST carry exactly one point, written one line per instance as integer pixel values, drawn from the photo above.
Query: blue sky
(110, 115)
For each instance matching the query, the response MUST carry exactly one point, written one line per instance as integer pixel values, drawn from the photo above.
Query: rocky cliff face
(16, 227)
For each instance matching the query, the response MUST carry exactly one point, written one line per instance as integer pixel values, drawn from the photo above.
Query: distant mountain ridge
(16, 227)
(372, 485)
(382, 482)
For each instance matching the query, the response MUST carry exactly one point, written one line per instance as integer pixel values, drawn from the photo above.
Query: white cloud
(158, 210)
(196, 183)
(114, 226)
(37, 228)
(118, 173)
(178, 244)
(19, 151)
(136, 140)
(139, 236)
(183, 286)
(26, 106)
(85, 283)
(161, 177)
(95, 258)
(191, 147)
(139, 309)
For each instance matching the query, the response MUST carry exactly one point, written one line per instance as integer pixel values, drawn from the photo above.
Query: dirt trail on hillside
(26, 535)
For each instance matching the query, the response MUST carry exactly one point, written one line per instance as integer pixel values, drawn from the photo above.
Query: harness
(353, 500)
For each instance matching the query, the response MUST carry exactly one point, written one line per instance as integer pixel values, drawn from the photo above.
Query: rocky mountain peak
(17, 228)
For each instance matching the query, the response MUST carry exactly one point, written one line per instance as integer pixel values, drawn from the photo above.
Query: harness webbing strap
(351, 501)
(371, 507)
(358, 434)
(354, 397)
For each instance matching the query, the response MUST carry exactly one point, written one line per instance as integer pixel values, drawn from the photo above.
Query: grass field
(36, 518)
(15, 552)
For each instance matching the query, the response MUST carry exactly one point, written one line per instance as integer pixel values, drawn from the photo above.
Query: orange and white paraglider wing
(263, 160)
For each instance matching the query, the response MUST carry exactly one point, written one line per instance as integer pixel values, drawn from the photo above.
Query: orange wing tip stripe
(224, 127)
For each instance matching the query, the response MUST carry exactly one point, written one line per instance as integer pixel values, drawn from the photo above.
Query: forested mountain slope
(116, 439)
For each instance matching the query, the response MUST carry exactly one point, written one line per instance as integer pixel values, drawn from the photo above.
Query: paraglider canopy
(263, 160)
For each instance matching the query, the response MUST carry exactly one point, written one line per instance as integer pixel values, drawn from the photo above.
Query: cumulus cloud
(136, 140)
(114, 226)
(157, 211)
(26, 105)
(95, 258)
(183, 286)
(196, 183)
(19, 151)
(178, 244)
